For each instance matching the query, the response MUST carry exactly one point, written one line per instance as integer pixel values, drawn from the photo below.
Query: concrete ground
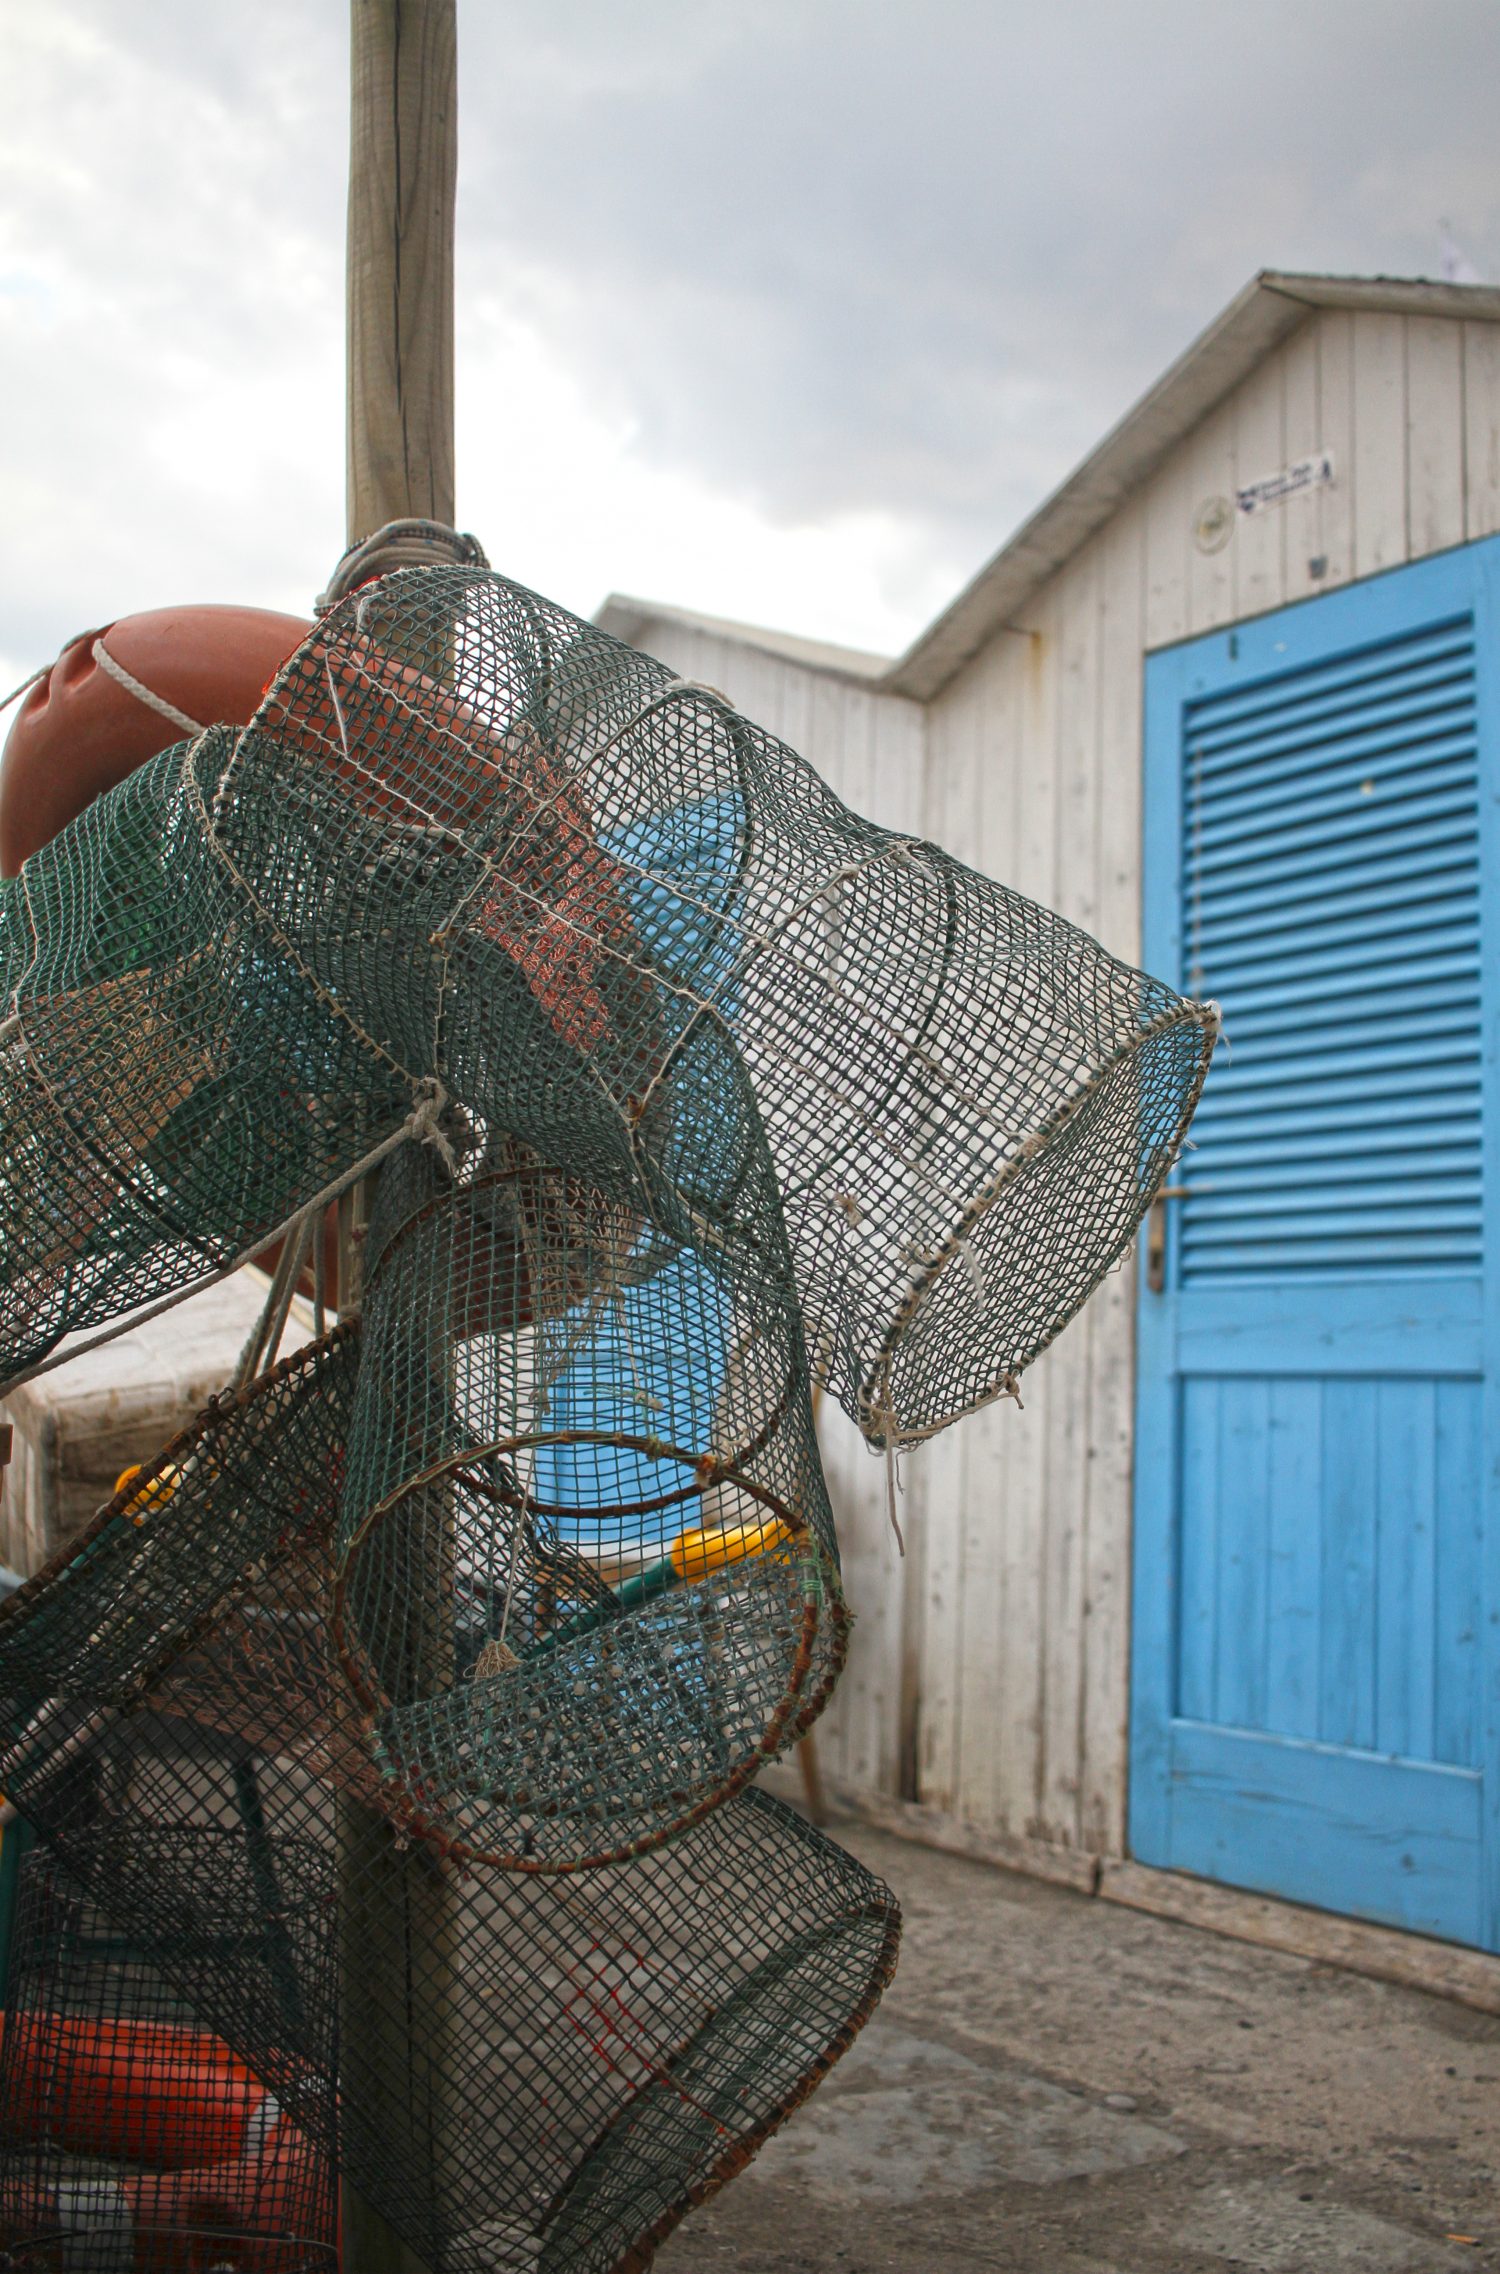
(1058, 2085)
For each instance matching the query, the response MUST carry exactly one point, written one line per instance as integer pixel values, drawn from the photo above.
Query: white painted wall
(989, 1674)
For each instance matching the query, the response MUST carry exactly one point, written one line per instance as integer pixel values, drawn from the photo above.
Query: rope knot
(410, 543)
(431, 1102)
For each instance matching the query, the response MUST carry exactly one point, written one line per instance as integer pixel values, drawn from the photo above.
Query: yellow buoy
(154, 1494)
(696, 1554)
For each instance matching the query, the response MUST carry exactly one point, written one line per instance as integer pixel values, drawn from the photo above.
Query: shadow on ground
(1057, 2085)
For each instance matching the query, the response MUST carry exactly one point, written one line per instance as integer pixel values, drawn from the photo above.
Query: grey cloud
(901, 256)
(922, 255)
(171, 205)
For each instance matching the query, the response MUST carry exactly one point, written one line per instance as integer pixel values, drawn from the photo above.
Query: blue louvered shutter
(1331, 903)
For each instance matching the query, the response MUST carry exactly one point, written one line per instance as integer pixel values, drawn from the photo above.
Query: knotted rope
(400, 544)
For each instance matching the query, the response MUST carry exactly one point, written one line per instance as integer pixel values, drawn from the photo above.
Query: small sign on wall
(1313, 473)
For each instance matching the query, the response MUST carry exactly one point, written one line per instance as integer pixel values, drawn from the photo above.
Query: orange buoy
(226, 2218)
(232, 2216)
(405, 748)
(149, 2091)
(117, 696)
(222, 2166)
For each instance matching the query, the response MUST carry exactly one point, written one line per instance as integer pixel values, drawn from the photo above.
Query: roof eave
(1272, 306)
(630, 619)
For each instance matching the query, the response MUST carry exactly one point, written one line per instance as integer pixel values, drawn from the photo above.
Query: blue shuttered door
(1316, 1656)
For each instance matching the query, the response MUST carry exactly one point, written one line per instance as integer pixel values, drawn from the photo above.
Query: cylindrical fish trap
(171, 1089)
(620, 2041)
(131, 2138)
(530, 2072)
(587, 1576)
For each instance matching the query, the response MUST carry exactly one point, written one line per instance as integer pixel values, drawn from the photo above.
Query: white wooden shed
(1214, 645)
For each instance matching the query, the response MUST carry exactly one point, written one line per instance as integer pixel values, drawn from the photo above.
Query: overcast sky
(784, 309)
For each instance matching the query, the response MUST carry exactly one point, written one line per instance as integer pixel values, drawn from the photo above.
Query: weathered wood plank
(1170, 508)
(1022, 1437)
(1260, 449)
(1211, 470)
(862, 1718)
(1481, 429)
(1074, 893)
(838, 745)
(1302, 434)
(976, 749)
(773, 692)
(895, 1585)
(755, 684)
(1110, 1317)
(1336, 427)
(986, 1627)
(900, 762)
(1434, 434)
(1379, 443)
(954, 791)
(989, 1762)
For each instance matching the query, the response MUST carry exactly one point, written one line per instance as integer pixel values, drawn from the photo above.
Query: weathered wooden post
(402, 171)
(403, 161)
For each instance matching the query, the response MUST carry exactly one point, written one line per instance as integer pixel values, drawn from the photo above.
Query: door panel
(1361, 1629)
(1314, 1684)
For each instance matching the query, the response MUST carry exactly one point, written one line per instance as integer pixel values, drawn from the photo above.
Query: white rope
(510, 1580)
(16, 693)
(890, 1429)
(143, 694)
(95, 632)
(892, 1487)
(424, 1126)
(413, 542)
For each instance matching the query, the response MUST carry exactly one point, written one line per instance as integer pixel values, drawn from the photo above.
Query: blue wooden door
(1316, 1655)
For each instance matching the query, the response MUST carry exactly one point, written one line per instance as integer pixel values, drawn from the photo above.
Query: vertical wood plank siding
(1004, 1638)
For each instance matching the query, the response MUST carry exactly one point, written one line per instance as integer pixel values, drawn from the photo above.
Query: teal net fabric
(399, 1722)
(169, 1091)
(566, 1663)
(513, 2070)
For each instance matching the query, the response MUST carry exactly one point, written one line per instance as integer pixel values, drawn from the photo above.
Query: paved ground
(1056, 2085)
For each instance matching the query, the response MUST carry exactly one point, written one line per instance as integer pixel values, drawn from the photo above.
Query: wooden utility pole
(403, 164)
(397, 1925)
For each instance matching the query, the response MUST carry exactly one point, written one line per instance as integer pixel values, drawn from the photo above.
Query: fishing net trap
(389, 1740)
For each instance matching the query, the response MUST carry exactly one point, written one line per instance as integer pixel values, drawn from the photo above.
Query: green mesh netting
(131, 2137)
(397, 1720)
(168, 1090)
(528, 2072)
(472, 842)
